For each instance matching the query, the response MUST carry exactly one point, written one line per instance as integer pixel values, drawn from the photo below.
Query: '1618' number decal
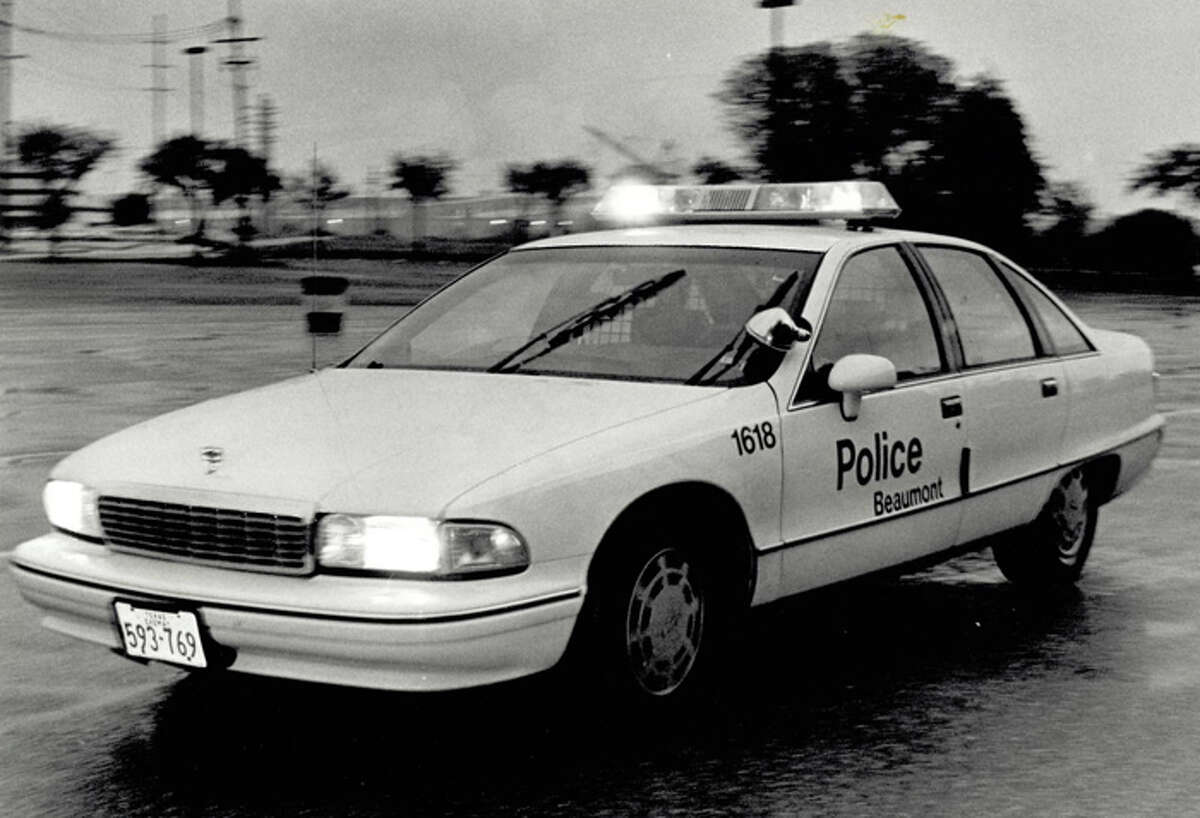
(750, 439)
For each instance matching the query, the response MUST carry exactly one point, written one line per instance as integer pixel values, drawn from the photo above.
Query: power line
(138, 38)
(51, 73)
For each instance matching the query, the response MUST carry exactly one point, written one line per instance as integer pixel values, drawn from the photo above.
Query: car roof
(818, 238)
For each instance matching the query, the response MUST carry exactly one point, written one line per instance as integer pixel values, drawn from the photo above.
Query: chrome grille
(243, 539)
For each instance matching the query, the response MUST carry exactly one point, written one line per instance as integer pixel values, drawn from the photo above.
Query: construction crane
(661, 175)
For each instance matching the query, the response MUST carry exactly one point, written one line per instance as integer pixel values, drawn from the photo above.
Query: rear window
(1064, 335)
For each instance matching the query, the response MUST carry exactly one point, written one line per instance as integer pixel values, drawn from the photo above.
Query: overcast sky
(1099, 82)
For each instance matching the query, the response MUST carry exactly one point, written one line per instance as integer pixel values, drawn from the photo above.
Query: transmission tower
(158, 80)
(238, 62)
(266, 127)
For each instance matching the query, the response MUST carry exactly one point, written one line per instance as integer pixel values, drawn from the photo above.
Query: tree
(184, 163)
(1172, 170)
(791, 106)
(317, 189)
(1149, 241)
(131, 209)
(900, 91)
(61, 156)
(879, 106)
(195, 165)
(1064, 221)
(424, 178)
(977, 177)
(236, 174)
(555, 181)
(715, 172)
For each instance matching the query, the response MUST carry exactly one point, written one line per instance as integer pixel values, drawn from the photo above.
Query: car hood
(404, 441)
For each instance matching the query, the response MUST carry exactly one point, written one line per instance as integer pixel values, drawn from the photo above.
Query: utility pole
(158, 80)
(238, 62)
(6, 58)
(196, 88)
(7, 142)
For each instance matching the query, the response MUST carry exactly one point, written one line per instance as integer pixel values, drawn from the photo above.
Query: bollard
(324, 302)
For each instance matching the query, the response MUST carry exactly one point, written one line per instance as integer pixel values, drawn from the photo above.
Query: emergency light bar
(800, 201)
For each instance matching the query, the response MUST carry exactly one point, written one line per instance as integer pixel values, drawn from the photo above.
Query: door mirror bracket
(775, 329)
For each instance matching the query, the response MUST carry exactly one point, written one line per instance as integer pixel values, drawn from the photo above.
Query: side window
(991, 325)
(877, 308)
(1065, 336)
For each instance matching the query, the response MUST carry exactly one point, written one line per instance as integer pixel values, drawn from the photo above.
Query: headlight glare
(72, 507)
(417, 545)
(378, 543)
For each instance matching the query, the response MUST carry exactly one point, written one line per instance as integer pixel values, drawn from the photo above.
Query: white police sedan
(604, 447)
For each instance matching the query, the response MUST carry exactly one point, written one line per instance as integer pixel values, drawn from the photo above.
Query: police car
(603, 448)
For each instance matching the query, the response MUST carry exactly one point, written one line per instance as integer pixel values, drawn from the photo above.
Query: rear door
(1014, 391)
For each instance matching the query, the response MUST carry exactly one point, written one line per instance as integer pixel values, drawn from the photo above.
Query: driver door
(878, 490)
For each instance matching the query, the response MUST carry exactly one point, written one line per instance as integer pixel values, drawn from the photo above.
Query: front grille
(243, 539)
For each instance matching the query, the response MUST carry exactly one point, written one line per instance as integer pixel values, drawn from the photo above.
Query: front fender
(565, 500)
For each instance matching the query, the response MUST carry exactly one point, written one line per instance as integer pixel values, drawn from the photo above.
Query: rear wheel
(1054, 547)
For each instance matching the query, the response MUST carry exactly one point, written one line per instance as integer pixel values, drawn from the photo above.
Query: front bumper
(364, 632)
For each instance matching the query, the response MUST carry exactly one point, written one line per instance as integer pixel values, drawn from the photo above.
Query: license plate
(160, 633)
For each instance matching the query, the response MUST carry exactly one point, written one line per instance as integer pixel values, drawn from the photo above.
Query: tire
(651, 624)
(1054, 547)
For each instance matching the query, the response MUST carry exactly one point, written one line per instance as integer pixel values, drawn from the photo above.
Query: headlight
(72, 507)
(418, 545)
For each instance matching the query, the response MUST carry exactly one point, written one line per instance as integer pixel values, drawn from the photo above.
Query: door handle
(952, 407)
(1049, 388)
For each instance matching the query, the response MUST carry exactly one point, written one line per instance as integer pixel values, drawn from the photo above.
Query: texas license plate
(161, 633)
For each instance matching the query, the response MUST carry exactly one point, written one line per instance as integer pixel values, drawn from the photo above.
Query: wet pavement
(947, 692)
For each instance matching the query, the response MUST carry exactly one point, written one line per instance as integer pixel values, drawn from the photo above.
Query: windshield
(638, 313)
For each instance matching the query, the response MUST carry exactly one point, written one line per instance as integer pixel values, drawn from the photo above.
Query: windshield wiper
(585, 321)
(775, 300)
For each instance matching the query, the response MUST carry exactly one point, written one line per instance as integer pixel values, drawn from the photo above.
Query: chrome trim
(961, 373)
(409, 619)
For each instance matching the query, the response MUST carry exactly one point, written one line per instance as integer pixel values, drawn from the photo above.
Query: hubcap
(664, 622)
(1068, 516)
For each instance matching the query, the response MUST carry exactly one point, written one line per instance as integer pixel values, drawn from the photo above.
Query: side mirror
(775, 329)
(853, 375)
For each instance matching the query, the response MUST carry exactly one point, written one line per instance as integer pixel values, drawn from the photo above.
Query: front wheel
(651, 624)
(1053, 548)
(664, 621)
